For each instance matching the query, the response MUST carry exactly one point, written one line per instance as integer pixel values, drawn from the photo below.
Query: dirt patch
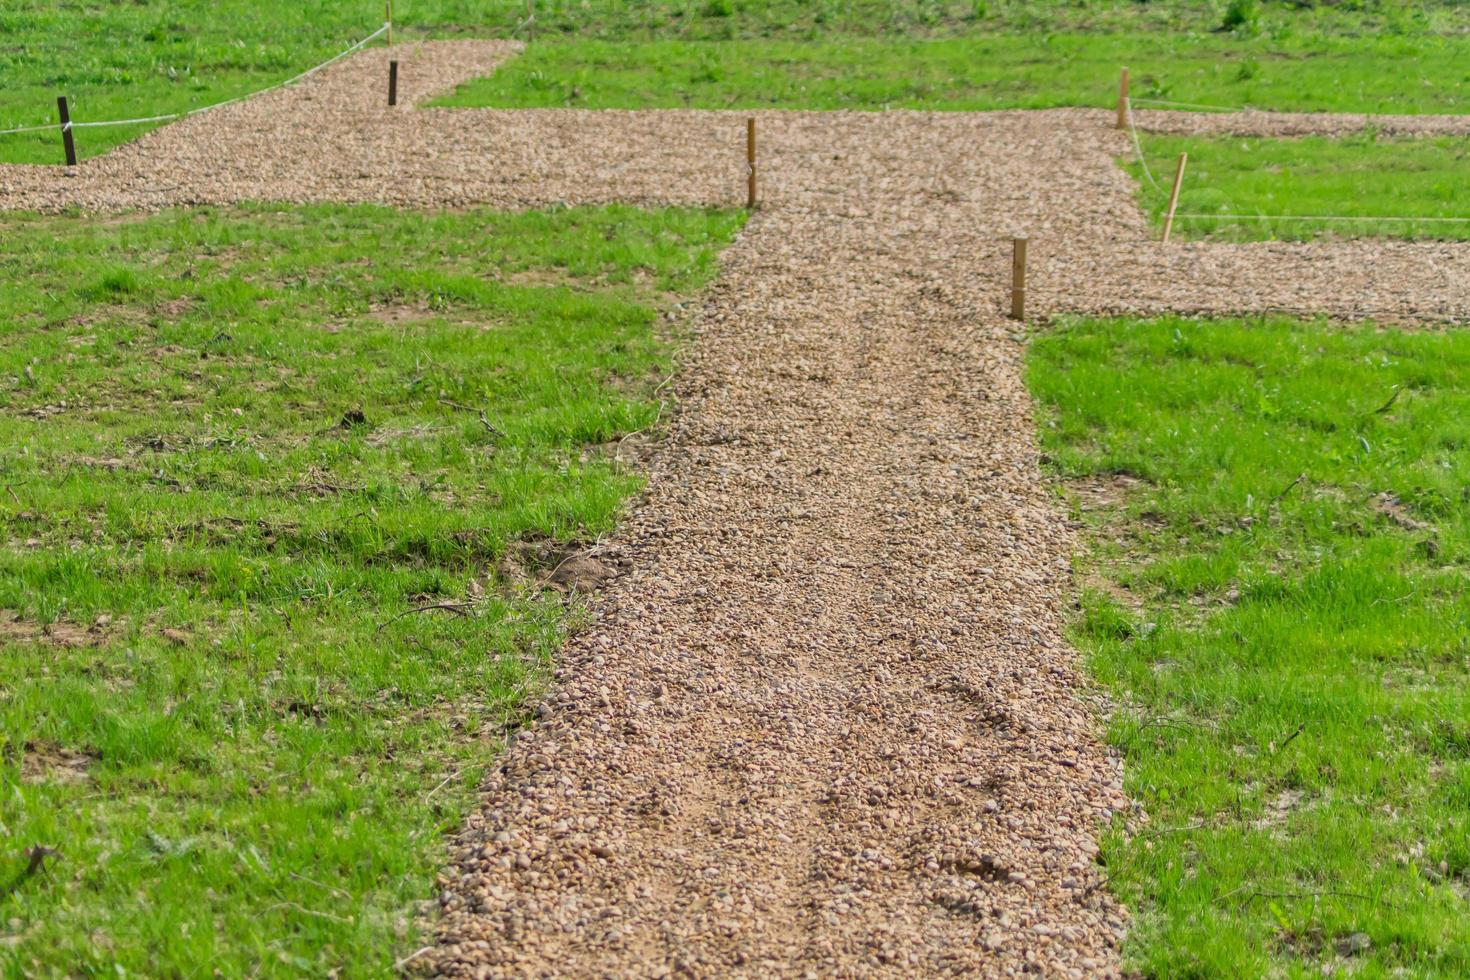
(14, 629)
(176, 307)
(382, 437)
(395, 313)
(1104, 491)
(542, 563)
(48, 762)
(1389, 506)
(538, 277)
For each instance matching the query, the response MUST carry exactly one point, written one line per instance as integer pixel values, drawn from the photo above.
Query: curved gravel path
(828, 725)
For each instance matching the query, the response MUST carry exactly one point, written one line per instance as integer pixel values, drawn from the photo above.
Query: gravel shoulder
(829, 724)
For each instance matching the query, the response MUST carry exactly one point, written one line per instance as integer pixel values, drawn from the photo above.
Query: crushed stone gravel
(828, 724)
(1256, 123)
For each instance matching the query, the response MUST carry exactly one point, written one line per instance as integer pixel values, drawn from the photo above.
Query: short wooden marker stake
(530, 20)
(750, 163)
(1018, 278)
(1174, 196)
(393, 82)
(1123, 100)
(67, 143)
(388, 19)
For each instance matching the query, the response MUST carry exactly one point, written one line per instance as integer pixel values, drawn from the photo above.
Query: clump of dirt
(575, 567)
(1104, 491)
(48, 762)
(1388, 505)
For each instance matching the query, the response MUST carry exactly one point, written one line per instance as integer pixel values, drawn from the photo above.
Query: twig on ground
(1397, 390)
(37, 863)
(1289, 488)
(1161, 722)
(1289, 739)
(339, 893)
(412, 956)
(306, 911)
(475, 411)
(1312, 895)
(442, 783)
(458, 608)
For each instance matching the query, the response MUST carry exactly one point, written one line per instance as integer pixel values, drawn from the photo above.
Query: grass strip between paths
(1275, 601)
(281, 492)
(1358, 176)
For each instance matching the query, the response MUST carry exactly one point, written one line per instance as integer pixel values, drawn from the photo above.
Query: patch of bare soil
(60, 633)
(48, 762)
(563, 567)
(1390, 507)
(396, 313)
(1104, 491)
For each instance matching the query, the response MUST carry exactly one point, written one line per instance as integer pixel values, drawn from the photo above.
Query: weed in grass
(264, 476)
(1361, 176)
(1279, 607)
(1242, 16)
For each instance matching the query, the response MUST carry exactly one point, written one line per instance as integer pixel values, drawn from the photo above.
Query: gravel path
(1248, 123)
(828, 725)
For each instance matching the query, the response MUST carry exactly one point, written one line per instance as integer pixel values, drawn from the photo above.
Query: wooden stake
(67, 142)
(388, 8)
(1174, 196)
(393, 82)
(750, 163)
(1018, 278)
(531, 20)
(1123, 100)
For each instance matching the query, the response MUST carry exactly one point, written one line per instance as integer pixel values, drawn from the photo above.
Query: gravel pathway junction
(828, 725)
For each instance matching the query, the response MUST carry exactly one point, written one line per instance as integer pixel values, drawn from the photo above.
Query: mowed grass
(139, 59)
(279, 487)
(1275, 599)
(1330, 73)
(1359, 176)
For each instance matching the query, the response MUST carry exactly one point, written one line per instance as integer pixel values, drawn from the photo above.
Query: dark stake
(393, 83)
(66, 139)
(1018, 278)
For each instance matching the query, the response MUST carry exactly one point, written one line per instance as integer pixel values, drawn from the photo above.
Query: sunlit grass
(258, 636)
(1364, 176)
(1275, 599)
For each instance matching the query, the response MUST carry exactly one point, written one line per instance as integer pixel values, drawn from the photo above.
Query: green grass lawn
(247, 454)
(1275, 599)
(1356, 176)
(1411, 74)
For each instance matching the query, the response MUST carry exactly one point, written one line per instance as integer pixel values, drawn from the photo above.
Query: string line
(1198, 105)
(1137, 146)
(194, 112)
(1317, 217)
